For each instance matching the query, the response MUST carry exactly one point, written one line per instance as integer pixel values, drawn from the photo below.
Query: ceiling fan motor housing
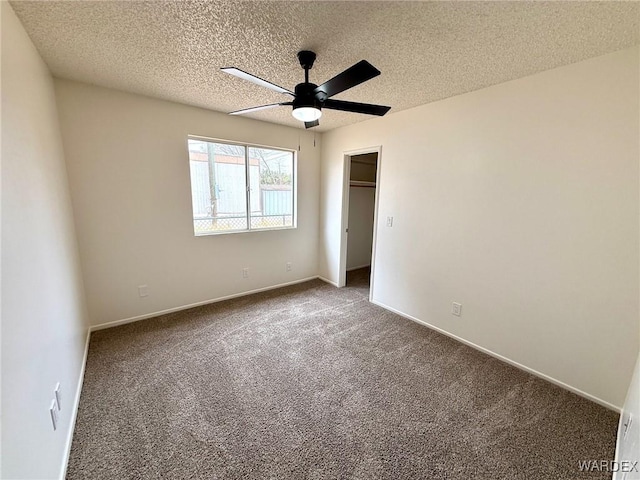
(306, 97)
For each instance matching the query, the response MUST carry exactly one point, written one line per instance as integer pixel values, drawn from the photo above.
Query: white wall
(43, 314)
(628, 440)
(519, 201)
(129, 174)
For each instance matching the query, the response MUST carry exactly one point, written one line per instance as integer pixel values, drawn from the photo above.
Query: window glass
(240, 187)
(271, 188)
(218, 187)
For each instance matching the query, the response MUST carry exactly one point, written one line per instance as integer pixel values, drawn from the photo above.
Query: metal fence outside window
(227, 223)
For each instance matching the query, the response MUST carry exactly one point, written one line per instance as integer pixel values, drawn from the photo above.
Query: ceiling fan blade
(367, 108)
(352, 76)
(255, 109)
(257, 80)
(315, 123)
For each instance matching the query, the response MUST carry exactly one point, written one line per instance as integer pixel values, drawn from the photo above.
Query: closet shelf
(358, 183)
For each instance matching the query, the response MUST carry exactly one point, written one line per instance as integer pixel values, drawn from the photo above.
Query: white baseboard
(326, 280)
(137, 318)
(504, 359)
(359, 267)
(74, 410)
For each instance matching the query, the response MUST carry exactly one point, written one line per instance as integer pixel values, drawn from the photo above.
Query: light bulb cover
(306, 114)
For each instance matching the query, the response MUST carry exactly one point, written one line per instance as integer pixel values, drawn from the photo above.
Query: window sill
(255, 230)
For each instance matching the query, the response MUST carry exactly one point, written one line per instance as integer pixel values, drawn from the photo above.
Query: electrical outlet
(245, 273)
(53, 410)
(389, 221)
(627, 425)
(58, 395)
(143, 290)
(288, 266)
(456, 309)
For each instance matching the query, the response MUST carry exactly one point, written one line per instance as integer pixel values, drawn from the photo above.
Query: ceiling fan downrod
(306, 59)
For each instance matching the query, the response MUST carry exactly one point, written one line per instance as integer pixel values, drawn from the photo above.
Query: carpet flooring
(314, 382)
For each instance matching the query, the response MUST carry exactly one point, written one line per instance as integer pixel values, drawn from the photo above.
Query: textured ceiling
(426, 51)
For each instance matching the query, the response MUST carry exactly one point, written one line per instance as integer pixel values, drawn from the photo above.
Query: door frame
(344, 221)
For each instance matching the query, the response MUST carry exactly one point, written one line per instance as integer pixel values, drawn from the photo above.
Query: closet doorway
(359, 208)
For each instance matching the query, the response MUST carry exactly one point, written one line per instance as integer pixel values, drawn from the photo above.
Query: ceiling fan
(309, 99)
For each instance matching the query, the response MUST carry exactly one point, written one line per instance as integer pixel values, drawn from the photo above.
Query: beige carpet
(314, 382)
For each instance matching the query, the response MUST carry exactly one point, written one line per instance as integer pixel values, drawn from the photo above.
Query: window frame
(247, 146)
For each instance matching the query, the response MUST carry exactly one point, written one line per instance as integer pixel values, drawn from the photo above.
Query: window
(238, 187)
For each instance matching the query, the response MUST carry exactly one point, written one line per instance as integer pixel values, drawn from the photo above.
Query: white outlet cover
(143, 290)
(58, 396)
(456, 309)
(53, 410)
(627, 425)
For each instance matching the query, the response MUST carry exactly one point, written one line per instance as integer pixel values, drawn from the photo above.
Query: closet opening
(361, 181)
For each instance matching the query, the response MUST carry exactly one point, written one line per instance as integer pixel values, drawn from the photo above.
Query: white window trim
(248, 145)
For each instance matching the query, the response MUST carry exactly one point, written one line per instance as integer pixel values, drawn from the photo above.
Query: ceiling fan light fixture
(306, 114)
